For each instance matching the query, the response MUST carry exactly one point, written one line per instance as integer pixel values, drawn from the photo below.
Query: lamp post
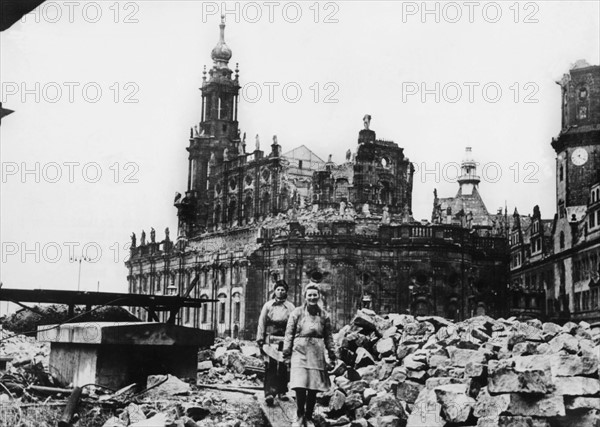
(79, 259)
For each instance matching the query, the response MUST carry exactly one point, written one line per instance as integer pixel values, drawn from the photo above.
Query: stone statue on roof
(367, 121)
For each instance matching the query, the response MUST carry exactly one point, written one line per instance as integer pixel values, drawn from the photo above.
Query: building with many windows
(555, 264)
(253, 214)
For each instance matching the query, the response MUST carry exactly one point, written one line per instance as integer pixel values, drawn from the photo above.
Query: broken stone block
(434, 382)
(405, 349)
(460, 357)
(166, 385)
(504, 378)
(365, 319)
(353, 401)
(358, 386)
(385, 404)
(550, 330)
(516, 421)
(573, 403)
(577, 386)
(363, 358)
(368, 373)
(337, 401)
(158, 420)
(359, 422)
(368, 394)
(385, 421)
(385, 370)
(205, 365)
(385, 346)
(488, 406)
(570, 327)
(589, 418)
(342, 421)
(537, 406)
(565, 342)
(475, 369)
(398, 374)
(132, 414)
(408, 391)
(456, 405)
(426, 411)
(114, 422)
(525, 348)
(390, 332)
(412, 363)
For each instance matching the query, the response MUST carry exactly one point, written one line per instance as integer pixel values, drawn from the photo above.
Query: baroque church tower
(215, 141)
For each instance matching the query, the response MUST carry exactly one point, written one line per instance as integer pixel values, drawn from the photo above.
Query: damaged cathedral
(252, 215)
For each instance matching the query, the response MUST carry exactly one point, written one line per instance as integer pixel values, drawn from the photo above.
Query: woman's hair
(311, 286)
(281, 283)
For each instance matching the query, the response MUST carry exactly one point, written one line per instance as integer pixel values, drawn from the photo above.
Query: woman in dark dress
(271, 330)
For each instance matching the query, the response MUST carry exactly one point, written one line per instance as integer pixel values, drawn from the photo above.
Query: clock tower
(578, 144)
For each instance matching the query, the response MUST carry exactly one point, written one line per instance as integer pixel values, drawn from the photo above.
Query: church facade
(253, 214)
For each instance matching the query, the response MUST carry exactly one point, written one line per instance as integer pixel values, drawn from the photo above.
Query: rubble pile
(170, 402)
(231, 362)
(430, 372)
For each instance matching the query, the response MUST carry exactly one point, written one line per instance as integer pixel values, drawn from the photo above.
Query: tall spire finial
(221, 54)
(222, 26)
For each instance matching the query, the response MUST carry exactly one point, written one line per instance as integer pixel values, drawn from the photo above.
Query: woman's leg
(311, 400)
(271, 380)
(300, 401)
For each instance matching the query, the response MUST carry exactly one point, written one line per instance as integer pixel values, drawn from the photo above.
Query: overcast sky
(117, 92)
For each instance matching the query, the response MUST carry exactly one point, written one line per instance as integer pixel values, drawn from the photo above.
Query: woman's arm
(262, 324)
(290, 332)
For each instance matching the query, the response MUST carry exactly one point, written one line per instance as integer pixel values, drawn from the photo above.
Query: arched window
(248, 205)
(385, 193)
(266, 199)
(217, 215)
(204, 310)
(232, 212)
(237, 307)
(562, 240)
(222, 307)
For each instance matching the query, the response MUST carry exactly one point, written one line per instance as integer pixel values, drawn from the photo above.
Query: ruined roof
(468, 203)
(303, 153)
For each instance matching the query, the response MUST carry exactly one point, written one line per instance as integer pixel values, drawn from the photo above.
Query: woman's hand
(287, 352)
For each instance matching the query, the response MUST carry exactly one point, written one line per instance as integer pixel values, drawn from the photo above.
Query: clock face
(579, 157)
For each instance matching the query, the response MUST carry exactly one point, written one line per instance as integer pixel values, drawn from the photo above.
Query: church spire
(468, 179)
(221, 54)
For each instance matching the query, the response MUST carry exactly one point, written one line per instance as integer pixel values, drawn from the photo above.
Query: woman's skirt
(311, 379)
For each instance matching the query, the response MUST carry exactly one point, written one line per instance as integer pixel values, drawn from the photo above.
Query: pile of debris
(231, 362)
(229, 378)
(430, 372)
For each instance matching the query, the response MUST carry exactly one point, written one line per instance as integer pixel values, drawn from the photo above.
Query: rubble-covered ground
(392, 371)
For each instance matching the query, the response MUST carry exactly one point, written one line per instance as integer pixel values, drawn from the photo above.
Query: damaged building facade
(555, 263)
(253, 214)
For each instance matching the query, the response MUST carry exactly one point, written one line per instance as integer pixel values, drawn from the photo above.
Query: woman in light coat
(308, 337)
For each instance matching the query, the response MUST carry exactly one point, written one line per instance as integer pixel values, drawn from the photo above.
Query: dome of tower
(221, 53)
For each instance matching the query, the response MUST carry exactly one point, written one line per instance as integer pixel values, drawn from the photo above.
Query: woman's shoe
(284, 397)
(269, 400)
